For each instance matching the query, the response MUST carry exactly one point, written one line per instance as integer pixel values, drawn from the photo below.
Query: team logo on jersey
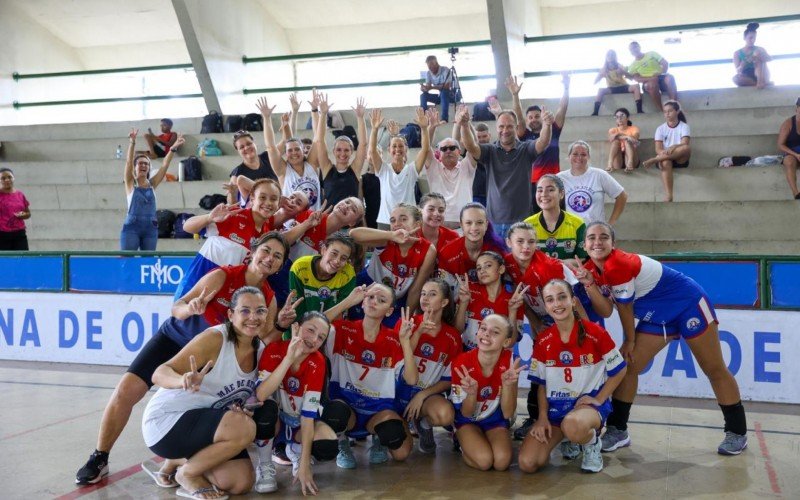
(551, 243)
(386, 362)
(565, 357)
(569, 245)
(580, 201)
(235, 237)
(550, 362)
(308, 187)
(486, 311)
(442, 357)
(693, 323)
(388, 265)
(426, 350)
(367, 357)
(587, 359)
(348, 356)
(324, 293)
(486, 392)
(402, 270)
(293, 384)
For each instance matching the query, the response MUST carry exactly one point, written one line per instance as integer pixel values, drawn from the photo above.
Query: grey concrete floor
(51, 413)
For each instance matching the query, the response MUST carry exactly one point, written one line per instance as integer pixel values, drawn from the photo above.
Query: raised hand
(433, 118)
(565, 78)
(357, 295)
(198, 305)
(469, 384)
(464, 294)
(285, 118)
(178, 142)
(376, 118)
(393, 127)
(223, 211)
(585, 276)
(294, 102)
(193, 378)
(494, 106)
(427, 325)
(263, 107)
(288, 312)
(406, 324)
(420, 118)
(401, 236)
(132, 135)
(316, 216)
(510, 377)
(513, 85)
(314, 102)
(517, 299)
(463, 113)
(547, 117)
(324, 106)
(361, 107)
(296, 347)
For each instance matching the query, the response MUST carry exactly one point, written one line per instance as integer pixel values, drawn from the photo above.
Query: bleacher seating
(70, 176)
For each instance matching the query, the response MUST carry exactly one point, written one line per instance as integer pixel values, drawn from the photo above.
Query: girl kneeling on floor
(576, 366)
(485, 396)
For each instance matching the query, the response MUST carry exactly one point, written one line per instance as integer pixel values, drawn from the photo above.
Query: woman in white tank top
(188, 420)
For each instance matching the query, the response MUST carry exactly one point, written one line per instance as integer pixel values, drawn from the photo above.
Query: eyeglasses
(448, 148)
(620, 115)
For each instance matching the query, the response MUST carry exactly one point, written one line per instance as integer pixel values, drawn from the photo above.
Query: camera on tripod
(452, 51)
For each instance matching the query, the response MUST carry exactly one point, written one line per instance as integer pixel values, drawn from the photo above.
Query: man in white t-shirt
(451, 176)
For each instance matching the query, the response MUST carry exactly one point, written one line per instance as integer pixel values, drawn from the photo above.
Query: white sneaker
(265, 478)
(293, 451)
(592, 458)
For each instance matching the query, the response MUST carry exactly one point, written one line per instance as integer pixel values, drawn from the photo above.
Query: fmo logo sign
(158, 274)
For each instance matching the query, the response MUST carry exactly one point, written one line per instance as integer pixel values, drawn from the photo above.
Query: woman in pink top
(14, 209)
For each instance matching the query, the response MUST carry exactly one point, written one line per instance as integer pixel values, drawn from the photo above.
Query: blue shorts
(688, 323)
(604, 410)
(494, 420)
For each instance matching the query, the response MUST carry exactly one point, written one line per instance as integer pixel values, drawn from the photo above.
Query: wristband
(314, 110)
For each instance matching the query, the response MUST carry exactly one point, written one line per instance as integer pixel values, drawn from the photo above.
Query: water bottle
(118, 154)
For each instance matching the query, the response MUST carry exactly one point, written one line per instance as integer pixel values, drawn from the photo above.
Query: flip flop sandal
(153, 470)
(201, 491)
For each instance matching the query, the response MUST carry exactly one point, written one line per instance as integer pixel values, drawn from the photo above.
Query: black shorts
(661, 82)
(159, 149)
(750, 72)
(675, 164)
(157, 351)
(620, 89)
(13, 240)
(191, 433)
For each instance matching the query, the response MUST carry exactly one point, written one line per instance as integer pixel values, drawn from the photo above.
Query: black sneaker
(96, 468)
(522, 430)
(279, 454)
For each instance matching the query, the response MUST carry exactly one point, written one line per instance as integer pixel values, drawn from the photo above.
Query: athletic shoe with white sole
(345, 459)
(95, 469)
(614, 439)
(733, 444)
(592, 458)
(265, 478)
(569, 450)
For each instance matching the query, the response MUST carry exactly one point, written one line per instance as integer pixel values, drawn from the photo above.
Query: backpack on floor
(166, 222)
(191, 169)
(762, 161)
(208, 147)
(413, 135)
(347, 131)
(253, 122)
(178, 232)
(212, 123)
(732, 161)
(209, 201)
(234, 123)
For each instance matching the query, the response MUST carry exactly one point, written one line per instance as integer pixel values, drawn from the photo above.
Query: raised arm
(470, 143)
(128, 172)
(547, 131)
(314, 103)
(514, 87)
(275, 159)
(561, 112)
(162, 170)
(361, 134)
(195, 301)
(320, 137)
(294, 102)
(221, 212)
(376, 120)
(425, 139)
(354, 298)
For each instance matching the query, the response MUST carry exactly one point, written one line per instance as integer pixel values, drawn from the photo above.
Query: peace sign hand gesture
(133, 134)
(198, 305)
(193, 378)
(178, 143)
(316, 216)
(406, 325)
(295, 349)
(584, 275)
(464, 294)
(288, 312)
(510, 377)
(401, 236)
(469, 384)
(519, 295)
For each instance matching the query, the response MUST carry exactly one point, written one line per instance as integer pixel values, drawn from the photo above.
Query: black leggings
(191, 433)
(157, 351)
(13, 240)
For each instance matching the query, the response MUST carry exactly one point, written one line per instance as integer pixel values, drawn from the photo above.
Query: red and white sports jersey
(217, 310)
(311, 241)
(541, 269)
(229, 241)
(363, 374)
(489, 388)
(480, 306)
(446, 235)
(390, 267)
(454, 259)
(301, 390)
(629, 275)
(433, 357)
(568, 370)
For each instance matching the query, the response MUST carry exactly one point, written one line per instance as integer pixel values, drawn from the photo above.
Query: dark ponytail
(751, 28)
(677, 107)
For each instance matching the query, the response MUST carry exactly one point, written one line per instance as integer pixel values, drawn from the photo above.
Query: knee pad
(336, 414)
(391, 433)
(266, 418)
(325, 449)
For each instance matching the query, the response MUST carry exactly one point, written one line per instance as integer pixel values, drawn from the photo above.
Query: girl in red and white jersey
(436, 344)
(399, 259)
(576, 367)
(485, 396)
(347, 213)
(433, 206)
(488, 296)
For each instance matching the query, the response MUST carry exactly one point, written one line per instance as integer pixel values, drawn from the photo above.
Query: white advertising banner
(759, 347)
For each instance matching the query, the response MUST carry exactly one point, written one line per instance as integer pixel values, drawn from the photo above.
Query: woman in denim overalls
(140, 230)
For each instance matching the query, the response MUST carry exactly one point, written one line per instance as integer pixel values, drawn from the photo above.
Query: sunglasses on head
(448, 148)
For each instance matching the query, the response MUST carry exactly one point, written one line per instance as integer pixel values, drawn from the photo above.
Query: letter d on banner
(63, 341)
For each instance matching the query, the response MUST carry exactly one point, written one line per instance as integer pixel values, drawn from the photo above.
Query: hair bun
(752, 26)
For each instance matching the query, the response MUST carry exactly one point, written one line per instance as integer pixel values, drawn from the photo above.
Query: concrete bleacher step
(110, 245)
(77, 224)
(742, 247)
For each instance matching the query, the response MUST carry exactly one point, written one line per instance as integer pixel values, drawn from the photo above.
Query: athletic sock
(639, 106)
(264, 450)
(735, 419)
(594, 439)
(424, 423)
(620, 413)
(596, 108)
(533, 402)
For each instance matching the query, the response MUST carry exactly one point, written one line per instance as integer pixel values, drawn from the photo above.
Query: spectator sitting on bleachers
(548, 161)
(614, 73)
(159, 145)
(624, 139)
(451, 175)
(437, 78)
(650, 69)
(672, 145)
(751, 62)
(398, 178)
(789, 143)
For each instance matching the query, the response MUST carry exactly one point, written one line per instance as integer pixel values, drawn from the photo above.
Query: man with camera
(437, 78)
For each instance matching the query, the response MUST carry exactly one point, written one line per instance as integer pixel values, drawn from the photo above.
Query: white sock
(264, 450)
(594, 439)
(424, 423)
